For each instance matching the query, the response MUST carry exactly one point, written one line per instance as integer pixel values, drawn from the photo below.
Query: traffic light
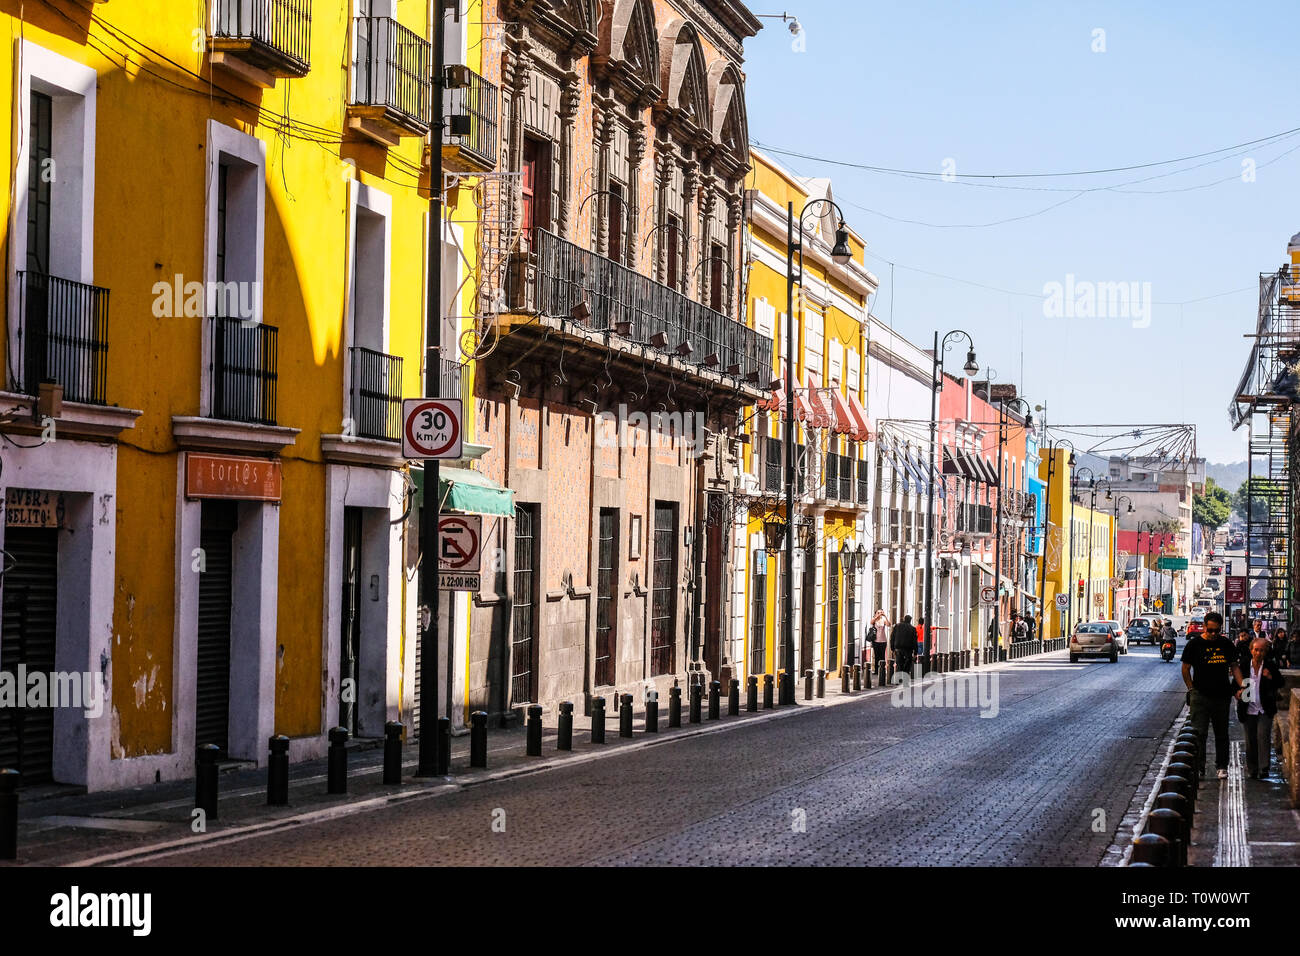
(1080, 587)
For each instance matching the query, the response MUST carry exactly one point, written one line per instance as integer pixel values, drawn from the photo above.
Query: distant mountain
(1229, 476)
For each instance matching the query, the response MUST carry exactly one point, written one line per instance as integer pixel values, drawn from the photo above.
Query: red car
(1196, 626)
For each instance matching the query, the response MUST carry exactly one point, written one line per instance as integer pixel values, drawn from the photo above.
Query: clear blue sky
(1015, 87)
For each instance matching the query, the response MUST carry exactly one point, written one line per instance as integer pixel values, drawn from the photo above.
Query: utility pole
(433, 757)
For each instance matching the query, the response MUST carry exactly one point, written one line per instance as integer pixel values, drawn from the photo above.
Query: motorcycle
(1167, 649)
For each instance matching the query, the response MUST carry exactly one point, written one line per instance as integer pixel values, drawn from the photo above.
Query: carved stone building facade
(614, 366)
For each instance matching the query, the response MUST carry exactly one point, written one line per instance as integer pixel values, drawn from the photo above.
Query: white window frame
(226, 141)
(380, 203)
(72, 223)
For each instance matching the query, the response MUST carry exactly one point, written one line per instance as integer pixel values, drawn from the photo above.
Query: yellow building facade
(1079, 552)
(217, 271)
(830, 435)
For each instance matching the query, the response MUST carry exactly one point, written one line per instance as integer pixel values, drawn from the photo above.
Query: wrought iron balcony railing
(563, 279)
(391, 70)
(244, 371)
(273, 35)
(63, 336)
(470, 121)
(376, 401)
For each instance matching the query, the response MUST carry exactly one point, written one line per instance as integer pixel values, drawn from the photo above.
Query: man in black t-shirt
(1210, 673)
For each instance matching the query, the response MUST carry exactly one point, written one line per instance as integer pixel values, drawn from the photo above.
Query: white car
(1121, 636)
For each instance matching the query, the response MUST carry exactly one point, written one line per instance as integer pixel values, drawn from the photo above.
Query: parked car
(1196, 625)
(1093, 639)
(1139, 630)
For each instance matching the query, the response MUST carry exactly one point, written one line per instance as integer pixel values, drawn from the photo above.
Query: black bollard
(1176, 784)
(443, 765)
(478, 738)
(533, 743)
(674, 706)
(205, 780)
(1180, 805)
(564, 734)
(767, 691)
(9, 779)
(625, 717)
(277, 772)
(977, 657)
(821, 682)
(807, 685)
(889, 671)
(598, 720)
(652, 712)
(715, 699)
(844, 680)
(337, 762)
(392, 753)
(1169, 824)
(1185, 755)
(1151, 848)
(697, 691)
(866, 678)
(857, 677)
(733, 698)
(751, 694)
(1180, 769)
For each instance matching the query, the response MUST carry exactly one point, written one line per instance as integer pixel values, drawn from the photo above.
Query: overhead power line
(1061, 175)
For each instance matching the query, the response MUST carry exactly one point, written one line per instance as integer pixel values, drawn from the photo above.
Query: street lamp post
(971, 368)
(997, 536)
(841, 255)
(1093, 481)
(1150, 526)
(1114, 550)
(433, 756)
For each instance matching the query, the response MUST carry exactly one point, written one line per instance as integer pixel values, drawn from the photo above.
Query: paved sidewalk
(1237, 821)
(1240, 821)
(63, 825)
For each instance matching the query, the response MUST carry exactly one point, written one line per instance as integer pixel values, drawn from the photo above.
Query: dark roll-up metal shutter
(212, 689)
(27, 637)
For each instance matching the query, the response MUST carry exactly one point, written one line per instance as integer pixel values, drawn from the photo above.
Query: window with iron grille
(863, 475)
(846, 478)
(832, 474)
(833, 612)
(663, 614)
(523, 657)
(606, 595)
(895, 525)
(758, 619)
(775, 464)
(850, 618)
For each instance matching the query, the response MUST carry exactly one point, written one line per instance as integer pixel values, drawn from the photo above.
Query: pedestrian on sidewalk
(880, 626)
(1293, 649)
(1209, 666)
(903, 643)
(1278, 648)
(993, 635)
(1021, 628)
(1256, 706)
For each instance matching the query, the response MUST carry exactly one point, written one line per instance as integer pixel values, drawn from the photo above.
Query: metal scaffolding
(1263, 403)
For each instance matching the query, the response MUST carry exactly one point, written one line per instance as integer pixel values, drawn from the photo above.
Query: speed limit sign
(431, 428)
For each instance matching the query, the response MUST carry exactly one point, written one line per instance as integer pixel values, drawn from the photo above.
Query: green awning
(468, 492)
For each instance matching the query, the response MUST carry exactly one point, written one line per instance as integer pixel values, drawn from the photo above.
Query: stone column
(637, 151)
(570, 99)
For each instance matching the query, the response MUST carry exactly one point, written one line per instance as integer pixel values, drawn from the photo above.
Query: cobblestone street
(861, 783)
